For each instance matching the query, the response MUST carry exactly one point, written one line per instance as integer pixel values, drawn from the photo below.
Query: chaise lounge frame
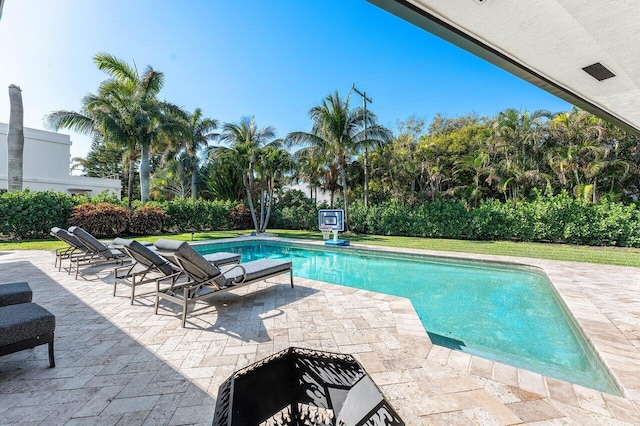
(97, 252)
(202, 284)
(149, 267)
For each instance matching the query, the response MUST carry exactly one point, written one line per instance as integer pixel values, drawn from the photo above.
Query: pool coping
(617, 353)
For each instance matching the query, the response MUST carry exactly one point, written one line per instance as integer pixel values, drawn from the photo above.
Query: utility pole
(365, 99)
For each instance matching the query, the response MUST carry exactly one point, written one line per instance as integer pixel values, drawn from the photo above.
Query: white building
(46, 165)
(319, 194)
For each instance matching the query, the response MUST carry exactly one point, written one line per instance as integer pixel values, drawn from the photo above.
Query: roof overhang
(547, 43)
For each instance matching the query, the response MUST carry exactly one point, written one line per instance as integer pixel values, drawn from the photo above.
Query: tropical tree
(340, 131)
(103, 160)
(15, 140)
(175, 177)
(246, 140)
(271, 169)
(313, 165)
(222, 176)
(193, 136)
(126, 110)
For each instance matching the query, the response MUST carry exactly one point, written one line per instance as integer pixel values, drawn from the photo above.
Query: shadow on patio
(120, 363)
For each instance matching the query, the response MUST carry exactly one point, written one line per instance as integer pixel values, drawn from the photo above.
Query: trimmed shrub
(147, 220)
(197, 215)
(103, 197)
(26, 214)
(101, 220)
(294, 210)
(557, 219)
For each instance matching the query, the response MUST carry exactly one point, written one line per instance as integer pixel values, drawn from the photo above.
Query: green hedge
(186, 215)
(29, 214)
(557, 219)
(294, 210)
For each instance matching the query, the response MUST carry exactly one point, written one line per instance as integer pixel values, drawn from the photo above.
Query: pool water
(507, 314)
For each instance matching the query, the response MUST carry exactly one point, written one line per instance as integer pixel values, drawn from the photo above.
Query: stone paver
(118, 363)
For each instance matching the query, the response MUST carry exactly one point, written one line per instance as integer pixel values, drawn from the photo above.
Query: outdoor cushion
(67, 237)
(24, 321)
(14, 293)
(145, 255)
(256, 269)
(222, 258)
(203, 269)
(93, 244)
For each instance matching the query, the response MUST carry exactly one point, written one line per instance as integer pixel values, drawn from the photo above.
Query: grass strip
(601, 255)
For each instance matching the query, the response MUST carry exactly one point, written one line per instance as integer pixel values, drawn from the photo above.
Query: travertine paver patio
(120, 364)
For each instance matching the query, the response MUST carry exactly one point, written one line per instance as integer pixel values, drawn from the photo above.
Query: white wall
(304, 187)
(45, 166)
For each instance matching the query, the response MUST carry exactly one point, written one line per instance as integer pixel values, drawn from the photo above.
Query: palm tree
(311, 166)
(579, 137)
(246, 140)
(222, 176)
(195, 134)
(339, 131)
(126, 110)
(273, 164)
(174, 178)
(15, 140)
(521, 136)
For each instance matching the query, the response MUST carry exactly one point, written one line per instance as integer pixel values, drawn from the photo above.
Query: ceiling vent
(598, 71)
(481, 1)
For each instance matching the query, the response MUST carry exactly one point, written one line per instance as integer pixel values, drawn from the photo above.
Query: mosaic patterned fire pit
(303, 387)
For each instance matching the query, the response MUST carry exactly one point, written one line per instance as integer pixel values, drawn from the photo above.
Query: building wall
(46, 163)
(304, 187)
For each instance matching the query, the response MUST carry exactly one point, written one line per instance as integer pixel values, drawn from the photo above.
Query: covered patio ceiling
(585, 52)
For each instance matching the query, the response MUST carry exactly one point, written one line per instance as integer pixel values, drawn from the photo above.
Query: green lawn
(602, 255)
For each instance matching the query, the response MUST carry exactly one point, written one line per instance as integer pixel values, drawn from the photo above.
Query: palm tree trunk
(269, 205)
(248, 186)
(145, 172)
(132, 176)
(15, 140)
(262, 209)
(194, 178)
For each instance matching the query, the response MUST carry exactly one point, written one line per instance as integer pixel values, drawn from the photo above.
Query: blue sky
(271, 59)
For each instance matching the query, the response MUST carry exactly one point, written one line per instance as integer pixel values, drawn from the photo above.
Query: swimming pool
(508, 314)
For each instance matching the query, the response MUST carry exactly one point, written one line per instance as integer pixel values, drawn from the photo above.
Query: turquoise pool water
(510, 315)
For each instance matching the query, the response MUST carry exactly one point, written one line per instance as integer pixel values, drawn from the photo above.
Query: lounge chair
(148, 266)
(97, 252)
(75, 248)
(205, 280)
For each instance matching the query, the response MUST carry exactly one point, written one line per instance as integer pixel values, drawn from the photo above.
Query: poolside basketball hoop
(326, 232)
(331, 221)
